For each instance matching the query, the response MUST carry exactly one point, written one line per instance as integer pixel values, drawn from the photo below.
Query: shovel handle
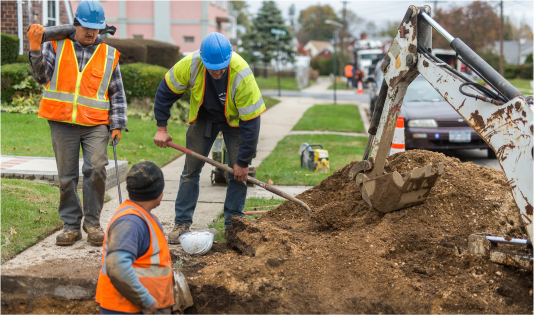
(230, 170)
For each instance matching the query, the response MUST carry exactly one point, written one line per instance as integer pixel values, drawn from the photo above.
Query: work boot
(95, 235)
(68, 237)
(173, 237)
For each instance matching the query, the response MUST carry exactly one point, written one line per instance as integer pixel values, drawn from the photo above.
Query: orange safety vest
(348, 71)
(154, 268)
(79, 97)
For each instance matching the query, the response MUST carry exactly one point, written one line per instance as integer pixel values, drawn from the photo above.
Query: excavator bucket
(394, 191)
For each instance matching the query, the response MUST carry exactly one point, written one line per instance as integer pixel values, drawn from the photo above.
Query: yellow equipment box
(316, 160)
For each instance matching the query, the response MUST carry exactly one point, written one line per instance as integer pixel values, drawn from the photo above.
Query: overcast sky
(382, 11)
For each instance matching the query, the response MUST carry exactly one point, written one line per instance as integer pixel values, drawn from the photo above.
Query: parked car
(431, 123)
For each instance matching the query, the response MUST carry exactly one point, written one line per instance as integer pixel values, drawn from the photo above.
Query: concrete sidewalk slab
(45, 169)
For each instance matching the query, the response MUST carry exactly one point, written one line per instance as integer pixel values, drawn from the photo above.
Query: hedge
(22, 59)
(12, 74)
(141, 80)
(131, 51)
(160, 53)
(10, 48)
(524, 71)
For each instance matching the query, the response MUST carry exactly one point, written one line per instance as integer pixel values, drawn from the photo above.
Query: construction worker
(349, 74)
(210, 73)
(84, 98)
(136, 274)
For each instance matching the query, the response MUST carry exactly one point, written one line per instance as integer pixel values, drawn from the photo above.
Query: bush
(490, 56)
(141, 80)
(131, 51)
(22, 59)
(160, 53)
(10, 48)
(510, 71)
(526, 71)
(529, 58)
(13, 74)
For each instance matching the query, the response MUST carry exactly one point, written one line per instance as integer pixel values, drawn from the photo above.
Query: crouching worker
(136, 274)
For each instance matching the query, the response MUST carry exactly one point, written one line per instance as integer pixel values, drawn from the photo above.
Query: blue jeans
(199, 142)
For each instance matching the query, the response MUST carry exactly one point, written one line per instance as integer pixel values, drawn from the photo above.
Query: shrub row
(10, 48)
(13, 74)
(145, 51)
(524, 71)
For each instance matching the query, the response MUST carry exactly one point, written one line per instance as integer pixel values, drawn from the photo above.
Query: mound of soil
(350, 258)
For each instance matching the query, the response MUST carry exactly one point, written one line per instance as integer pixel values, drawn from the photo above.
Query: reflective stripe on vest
(59, 51)
(107, 74)
(194, 68)
(250, 108)
(240, 76)
(174, 82)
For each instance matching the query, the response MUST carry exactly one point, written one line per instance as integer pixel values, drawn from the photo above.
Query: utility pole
(343, 34)
(501, 35)
(435, 6)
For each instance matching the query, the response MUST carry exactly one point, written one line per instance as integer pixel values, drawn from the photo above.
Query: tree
(312, 24)
(260, 40)
(242, 13)
(476, 24)
(390, 29)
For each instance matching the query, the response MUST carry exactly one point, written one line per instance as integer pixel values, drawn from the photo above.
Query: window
(213, 2)
(189, 39)
(137, 36)
(50, 12)
(224, 4)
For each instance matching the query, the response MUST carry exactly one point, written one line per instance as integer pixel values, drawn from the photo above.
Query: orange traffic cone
(360, 87)
(398, 137)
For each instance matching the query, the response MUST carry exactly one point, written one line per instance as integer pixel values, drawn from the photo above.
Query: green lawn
(27, 135)
(522, 84)
(341, 86)
(332, 118)
(270, 102)
(271, 83)
(252, 204)
(282, 166)
(29, 214)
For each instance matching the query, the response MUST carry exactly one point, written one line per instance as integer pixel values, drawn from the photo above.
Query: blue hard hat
(90, 14)
(216, 51)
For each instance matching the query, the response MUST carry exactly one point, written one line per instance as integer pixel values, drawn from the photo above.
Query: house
(17, 15)
(317, 47)
(182, 23)
(512, 50)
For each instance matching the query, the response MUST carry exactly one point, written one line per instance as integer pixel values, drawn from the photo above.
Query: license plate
(460, 136)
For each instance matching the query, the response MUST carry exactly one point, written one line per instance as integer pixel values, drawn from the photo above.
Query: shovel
(230, 170)
(114, 143)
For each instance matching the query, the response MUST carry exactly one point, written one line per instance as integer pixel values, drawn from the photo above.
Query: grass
(29, 214)
(332, 118)
(271, 83)
(341, 86)
(252, 204)
(28, 135)
(270, 101)
(282, 166)
(522, 84)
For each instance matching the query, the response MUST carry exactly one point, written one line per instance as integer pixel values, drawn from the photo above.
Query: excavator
(502, 116)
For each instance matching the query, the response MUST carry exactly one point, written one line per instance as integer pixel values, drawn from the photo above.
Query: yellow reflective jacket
(243, 98)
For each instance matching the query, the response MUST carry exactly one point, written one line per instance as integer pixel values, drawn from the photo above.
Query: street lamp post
(278, 32)
(336, 32)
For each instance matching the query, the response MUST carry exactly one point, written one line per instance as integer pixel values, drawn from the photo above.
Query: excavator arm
(504, 119)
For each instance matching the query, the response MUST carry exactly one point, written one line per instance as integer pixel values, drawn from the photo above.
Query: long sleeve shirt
(248, 129)
(42, 63)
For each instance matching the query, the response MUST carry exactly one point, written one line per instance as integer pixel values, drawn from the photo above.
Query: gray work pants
(66, 140)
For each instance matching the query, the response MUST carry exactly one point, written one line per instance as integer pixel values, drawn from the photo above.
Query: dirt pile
(352, 259)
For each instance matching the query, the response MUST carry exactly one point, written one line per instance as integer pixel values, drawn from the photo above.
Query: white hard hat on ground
(198, 242)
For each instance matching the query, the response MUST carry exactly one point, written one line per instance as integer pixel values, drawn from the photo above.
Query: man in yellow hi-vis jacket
(224, 97)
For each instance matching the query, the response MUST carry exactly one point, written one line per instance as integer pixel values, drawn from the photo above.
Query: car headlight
(423, 123)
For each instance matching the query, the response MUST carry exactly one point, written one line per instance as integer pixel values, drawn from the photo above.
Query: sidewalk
(49, 265)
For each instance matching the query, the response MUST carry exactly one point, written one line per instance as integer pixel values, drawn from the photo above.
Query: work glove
(116, 133)
(35, 35)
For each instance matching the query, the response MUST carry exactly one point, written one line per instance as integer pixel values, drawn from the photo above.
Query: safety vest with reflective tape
(79, 97)
(154, 268)
(348, 71)
(243, 98)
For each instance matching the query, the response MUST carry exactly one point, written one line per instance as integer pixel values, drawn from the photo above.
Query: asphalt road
(477, 156)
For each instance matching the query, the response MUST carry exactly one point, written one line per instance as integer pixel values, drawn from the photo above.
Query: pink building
(182, 23)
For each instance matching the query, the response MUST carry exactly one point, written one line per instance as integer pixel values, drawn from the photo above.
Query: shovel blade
(394, 191)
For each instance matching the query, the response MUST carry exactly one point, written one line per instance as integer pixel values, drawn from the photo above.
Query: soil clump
(350, 258)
